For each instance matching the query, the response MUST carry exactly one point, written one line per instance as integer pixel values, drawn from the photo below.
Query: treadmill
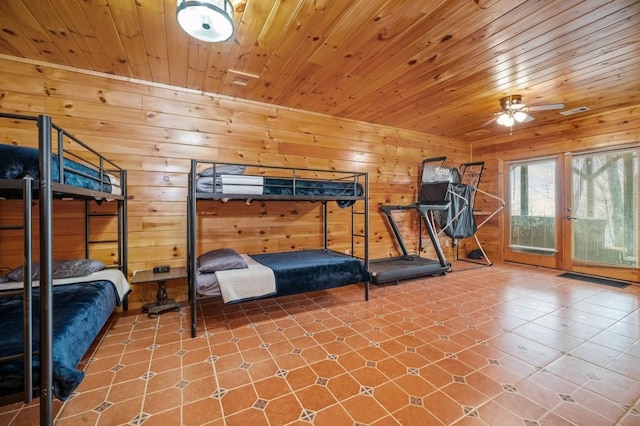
(433, 197)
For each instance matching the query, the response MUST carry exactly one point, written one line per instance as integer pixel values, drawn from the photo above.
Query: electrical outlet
(162, 269)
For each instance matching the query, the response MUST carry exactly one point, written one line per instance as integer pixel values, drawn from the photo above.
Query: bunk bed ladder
(89, 243)
(120, 214)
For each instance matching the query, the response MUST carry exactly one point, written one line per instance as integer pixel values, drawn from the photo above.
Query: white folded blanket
(114, 275)
(238, 184)
(254, 281)
(116, 188)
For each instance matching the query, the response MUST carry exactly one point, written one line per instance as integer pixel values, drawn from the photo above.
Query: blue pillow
(60, 269)
(220, 260)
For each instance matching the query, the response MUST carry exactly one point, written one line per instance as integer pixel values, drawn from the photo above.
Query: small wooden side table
(162, 303)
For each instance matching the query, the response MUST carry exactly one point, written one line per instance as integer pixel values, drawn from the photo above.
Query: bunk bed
(53, 310)
(281, 273)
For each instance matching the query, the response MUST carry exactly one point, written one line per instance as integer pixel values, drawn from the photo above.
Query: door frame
(563, 258)
(555, 261)
(615, 272)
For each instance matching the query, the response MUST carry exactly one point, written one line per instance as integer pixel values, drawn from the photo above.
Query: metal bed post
(353, 229)
(59, 154)
(123, 239)
(366, 232)
(86, 229)
(46, 250)
(325, 224)
(123, 245)
(353, 235)
(191, 246)
(27, 301)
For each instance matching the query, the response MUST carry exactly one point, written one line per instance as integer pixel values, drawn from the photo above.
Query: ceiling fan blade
(546, 107)
(486, 123)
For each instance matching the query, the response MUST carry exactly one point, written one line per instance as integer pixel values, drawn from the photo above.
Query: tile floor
(505, 345)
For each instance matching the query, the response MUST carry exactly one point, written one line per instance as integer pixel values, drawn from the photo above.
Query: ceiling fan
(515, 111)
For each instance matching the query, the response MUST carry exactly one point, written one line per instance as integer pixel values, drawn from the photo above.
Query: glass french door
(533, 213)
(577, 212)
(602, 213)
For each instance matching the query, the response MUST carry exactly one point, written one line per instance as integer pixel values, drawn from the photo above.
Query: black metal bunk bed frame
(194, 195)
(45, 190)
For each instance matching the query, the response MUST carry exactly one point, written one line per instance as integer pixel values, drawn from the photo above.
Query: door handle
(572, 217)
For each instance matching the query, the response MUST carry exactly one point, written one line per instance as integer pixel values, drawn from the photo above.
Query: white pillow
(223, 169)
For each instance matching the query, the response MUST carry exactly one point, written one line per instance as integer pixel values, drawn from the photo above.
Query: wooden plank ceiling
(437, 66)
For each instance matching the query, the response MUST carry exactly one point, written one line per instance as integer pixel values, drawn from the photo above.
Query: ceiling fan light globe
(509, 121)
(505, 120)
(520, 116)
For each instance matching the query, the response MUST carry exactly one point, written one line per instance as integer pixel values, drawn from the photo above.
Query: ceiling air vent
(575, 110)
(240, 81)
(242, 78)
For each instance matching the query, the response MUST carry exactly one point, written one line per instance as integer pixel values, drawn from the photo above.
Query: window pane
(605, 187)
(532, 207)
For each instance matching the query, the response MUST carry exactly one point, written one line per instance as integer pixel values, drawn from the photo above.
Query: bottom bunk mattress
(294, 272)
(80, 310)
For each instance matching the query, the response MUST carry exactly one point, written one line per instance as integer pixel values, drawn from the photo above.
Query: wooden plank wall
(620, 126)
(154, 131)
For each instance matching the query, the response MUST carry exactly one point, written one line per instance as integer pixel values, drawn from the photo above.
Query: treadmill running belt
(404, 268)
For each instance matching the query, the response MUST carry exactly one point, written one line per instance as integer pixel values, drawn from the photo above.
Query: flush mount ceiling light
(206, 20)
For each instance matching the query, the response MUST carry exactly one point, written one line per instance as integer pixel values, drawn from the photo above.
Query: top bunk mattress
(233, 181)
(77, 170)
(19, 162)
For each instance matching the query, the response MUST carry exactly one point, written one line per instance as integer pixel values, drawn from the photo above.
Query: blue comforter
(18, 162)
(275, 186)
(312, 270)
(79, 312)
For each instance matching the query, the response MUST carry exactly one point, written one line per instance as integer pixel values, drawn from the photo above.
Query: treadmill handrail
(423, 209)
